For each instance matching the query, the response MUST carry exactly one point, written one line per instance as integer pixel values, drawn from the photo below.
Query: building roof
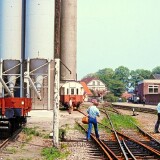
(149, 81)
(156, 76)
(88, 79)
(126, 95)
(86, 89)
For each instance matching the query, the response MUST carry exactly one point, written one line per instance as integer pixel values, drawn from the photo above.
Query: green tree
(90, 75)
(139, 75)
(156, 70)
(105, 75)
(122, 73)
(116, 87)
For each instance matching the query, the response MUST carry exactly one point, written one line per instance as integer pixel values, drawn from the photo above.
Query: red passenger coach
(71, 90)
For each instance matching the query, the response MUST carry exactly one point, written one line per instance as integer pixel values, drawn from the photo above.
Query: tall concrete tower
(68, 39)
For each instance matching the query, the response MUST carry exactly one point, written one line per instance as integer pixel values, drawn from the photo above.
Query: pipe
(6, 87)
(34, 88)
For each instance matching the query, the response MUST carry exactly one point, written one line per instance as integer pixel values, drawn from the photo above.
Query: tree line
(122, 79)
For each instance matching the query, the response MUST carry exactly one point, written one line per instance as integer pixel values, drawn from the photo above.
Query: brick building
(150, 88)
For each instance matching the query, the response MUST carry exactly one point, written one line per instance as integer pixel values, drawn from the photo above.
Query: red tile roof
(86, 89)
(88, 79)
(126, 95)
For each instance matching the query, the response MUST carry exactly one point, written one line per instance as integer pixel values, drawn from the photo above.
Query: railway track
(139, 145)
(5, 141)
(87, 150)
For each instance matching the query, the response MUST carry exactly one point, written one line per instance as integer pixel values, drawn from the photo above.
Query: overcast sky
(111, 33)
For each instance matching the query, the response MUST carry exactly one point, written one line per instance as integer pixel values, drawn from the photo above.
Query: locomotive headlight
(22, 102)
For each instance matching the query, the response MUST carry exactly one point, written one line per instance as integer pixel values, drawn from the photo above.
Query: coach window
(72, 91)
(77, 91)
(67, 91)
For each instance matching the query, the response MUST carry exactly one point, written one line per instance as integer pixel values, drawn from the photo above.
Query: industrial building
(32, 35)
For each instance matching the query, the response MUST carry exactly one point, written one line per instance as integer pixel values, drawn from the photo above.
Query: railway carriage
(71, 90)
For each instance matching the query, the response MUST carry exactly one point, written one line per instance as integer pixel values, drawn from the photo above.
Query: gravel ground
(42, 120)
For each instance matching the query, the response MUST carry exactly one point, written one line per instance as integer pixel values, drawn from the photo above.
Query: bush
(110, 98)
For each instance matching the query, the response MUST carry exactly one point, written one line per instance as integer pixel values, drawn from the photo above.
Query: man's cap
(94, 101)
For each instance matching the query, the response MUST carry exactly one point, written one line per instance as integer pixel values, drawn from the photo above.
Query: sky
(113, 33)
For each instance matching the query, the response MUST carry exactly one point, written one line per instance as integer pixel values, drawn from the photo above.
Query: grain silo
(39, 47)
(68, 39)
(11, 47)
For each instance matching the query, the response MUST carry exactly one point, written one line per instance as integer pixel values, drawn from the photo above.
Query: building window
(93, 83)
(153, 89)
(98, 83)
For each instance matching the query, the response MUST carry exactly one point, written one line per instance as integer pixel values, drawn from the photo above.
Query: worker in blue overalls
(158, 120)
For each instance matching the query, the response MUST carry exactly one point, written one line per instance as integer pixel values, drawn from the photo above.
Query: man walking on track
(158, 120)
(93, 112)
(70, 106)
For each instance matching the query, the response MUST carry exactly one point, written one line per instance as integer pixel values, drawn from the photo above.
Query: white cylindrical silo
(68, 39)
(11, 38)
(39, 36)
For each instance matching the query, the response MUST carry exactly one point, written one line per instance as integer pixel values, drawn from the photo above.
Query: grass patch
(21, 159)
(78, 128)
(11, 150)
(120, 121)
(31, 131)
(45, 136)
(53, 153)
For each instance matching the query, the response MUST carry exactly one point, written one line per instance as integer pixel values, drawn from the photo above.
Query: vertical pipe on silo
(68, 39)
(23, 47)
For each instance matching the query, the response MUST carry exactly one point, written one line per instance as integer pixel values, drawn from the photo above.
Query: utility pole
(56, 73)
(56, 103)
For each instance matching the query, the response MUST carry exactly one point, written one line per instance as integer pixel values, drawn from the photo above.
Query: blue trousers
(94, 122)
(157, 123)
